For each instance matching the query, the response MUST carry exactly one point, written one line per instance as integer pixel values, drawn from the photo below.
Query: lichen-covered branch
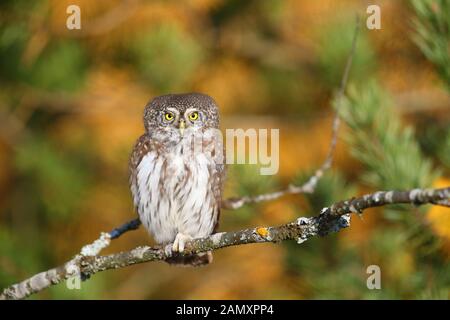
(331, 219)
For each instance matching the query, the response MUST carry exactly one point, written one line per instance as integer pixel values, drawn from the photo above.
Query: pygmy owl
(177, 172)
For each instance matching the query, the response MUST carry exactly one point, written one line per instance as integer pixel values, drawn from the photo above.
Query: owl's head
(177, 114)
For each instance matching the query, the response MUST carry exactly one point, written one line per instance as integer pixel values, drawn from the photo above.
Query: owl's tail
(194, 260)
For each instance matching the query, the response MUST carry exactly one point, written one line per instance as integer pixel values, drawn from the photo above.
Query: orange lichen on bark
(438, 216)
(262, 231)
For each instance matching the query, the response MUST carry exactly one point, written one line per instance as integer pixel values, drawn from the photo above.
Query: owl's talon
(168, 250)
(180, 241)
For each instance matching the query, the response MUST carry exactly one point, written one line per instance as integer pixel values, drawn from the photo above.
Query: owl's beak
(182, 127)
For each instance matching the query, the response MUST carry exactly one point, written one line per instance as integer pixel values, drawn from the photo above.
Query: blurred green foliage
(334, 42)
(435, 141)
(61, 67)
(432, 25)
(159, 58)
(55, 179)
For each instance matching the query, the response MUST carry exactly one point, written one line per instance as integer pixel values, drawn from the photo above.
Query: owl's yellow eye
(193, 116)
(169, 116)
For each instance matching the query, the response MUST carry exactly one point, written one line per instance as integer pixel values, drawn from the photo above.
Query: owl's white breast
(175, 194)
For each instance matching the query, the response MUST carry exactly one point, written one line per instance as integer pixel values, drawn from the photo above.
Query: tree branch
(331, 219)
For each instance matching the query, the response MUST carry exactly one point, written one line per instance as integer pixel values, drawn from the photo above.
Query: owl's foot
(168, 250)
(180, 241)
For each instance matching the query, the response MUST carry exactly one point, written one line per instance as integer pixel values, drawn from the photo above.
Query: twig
(331, 219)
(128, 226)
(310, 185)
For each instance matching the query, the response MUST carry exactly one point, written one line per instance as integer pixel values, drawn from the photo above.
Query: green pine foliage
(388, 150)
(435, 142)
(432, 26)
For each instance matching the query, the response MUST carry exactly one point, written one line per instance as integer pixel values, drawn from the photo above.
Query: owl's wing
(142, 147)
(218, 181)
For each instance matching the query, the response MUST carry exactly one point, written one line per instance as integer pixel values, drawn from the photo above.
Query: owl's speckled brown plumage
(176, 186)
